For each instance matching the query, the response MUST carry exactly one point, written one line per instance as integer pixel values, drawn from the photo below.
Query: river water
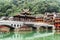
(30, 35)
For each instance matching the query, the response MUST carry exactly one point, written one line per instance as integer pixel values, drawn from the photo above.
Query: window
(14, 25)
(11, 24)
(17, 25)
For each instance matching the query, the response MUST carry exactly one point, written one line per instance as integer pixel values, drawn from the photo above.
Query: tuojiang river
(30, 35)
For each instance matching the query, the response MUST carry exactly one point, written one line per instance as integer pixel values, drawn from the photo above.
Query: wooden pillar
(38, 29)
(46, 28)
(53, 29)
(58, 28)
(16, 29)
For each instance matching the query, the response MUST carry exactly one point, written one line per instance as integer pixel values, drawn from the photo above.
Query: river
(30, 35)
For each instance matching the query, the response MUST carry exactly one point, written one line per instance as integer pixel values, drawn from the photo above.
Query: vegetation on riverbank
(13, 7)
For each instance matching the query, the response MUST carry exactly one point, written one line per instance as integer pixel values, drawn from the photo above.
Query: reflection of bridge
(18, 24)
(24, 36)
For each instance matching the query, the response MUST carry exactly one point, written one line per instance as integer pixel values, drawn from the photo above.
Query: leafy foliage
(13, 7)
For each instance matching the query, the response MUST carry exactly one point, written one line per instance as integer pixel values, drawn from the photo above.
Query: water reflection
(24, 35)
(5, 35)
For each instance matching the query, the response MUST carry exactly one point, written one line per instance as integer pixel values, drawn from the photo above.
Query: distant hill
(13, 7)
